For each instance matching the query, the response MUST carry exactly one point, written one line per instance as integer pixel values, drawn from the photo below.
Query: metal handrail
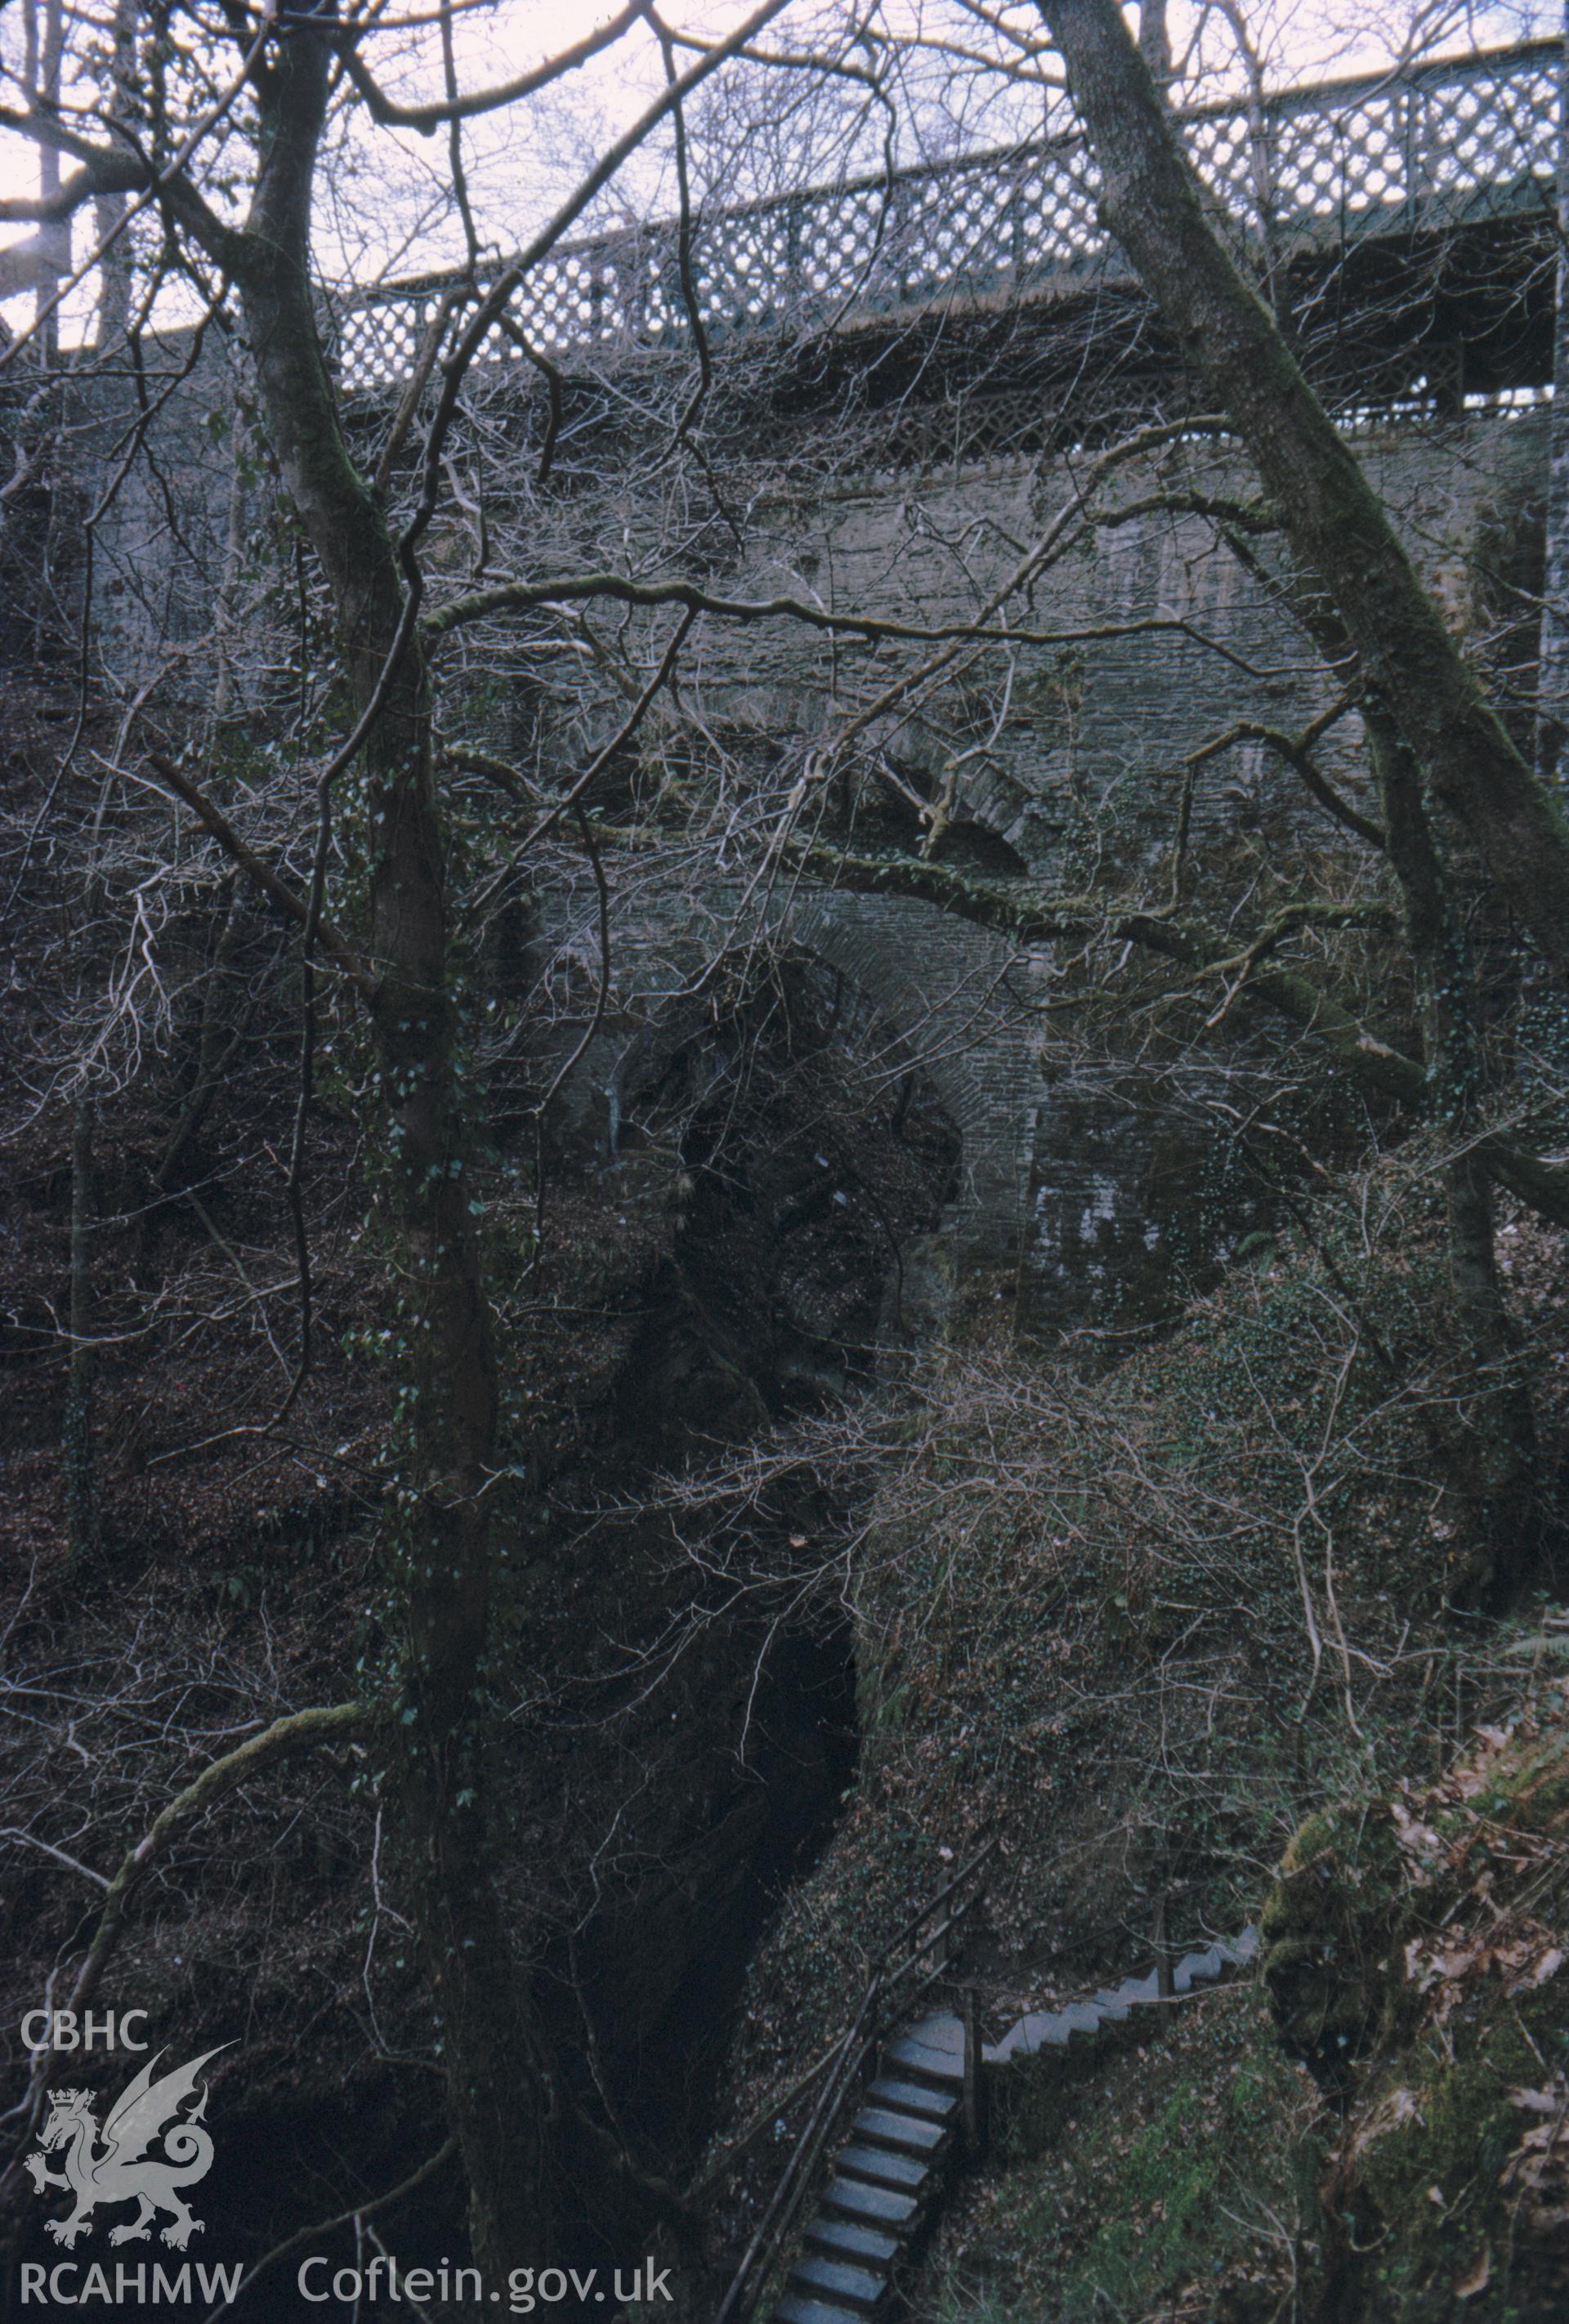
(882, 1996)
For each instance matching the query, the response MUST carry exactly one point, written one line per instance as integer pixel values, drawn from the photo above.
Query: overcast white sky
(384, 206)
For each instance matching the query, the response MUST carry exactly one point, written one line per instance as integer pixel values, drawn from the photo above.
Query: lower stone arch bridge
(947, 1000)
(1056, 1202)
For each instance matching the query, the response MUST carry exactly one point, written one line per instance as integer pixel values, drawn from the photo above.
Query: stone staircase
(1054, 2029)
(887, 2176)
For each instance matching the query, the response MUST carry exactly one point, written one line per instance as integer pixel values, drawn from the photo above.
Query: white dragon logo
(121, 2171)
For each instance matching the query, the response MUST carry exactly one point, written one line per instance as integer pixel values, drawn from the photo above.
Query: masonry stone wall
(156, 467)
(1071, 1176)
(1092, 744)
(1072, 752)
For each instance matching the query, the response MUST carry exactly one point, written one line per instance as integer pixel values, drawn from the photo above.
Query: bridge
(1405, 226)
(1392, 161)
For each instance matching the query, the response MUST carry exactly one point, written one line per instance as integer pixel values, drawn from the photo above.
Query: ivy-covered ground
(1174, 2178)
(1141, 1621)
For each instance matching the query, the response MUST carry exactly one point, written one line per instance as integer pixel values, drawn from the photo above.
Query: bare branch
(337, 947)
(429, 118)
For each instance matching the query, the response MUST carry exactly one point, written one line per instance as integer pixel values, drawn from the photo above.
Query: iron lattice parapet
(1447, 143)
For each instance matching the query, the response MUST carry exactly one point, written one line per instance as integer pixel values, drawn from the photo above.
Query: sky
(383, 204)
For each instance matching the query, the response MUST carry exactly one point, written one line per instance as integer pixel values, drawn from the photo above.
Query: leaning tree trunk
(1489, 1439)
(81, 1498)
(1552, 647)
(1428, 722)
(497, 2085)
(1491, 1426)
(1327, 509)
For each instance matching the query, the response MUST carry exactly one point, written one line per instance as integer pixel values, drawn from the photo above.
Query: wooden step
(884, 2170)
(910, 2097)
(939, 2031)
(1198, 1968)
(794, 2309)
(862, 2289)
(914, 2059)
(847, 2239)
(903, 2131)
(880, 2207)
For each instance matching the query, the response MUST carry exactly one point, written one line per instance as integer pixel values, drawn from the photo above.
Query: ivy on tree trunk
(1328, 510)
(497, 2083)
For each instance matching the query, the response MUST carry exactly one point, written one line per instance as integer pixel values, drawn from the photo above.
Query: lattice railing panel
(839, 243)
(1441, 142)
(743, 275)
(1225, 151)
(1494, 139)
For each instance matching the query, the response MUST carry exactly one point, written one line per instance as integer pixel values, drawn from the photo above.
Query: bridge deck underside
(1414, 321)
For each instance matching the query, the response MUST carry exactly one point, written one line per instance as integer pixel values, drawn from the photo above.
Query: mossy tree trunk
(81, 1502)
(498, 2085)
(1493, 1425)
(1327, 509)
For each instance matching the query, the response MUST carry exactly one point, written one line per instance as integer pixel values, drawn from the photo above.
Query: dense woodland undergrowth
(668, 1618)
(1141, 1603)
(1142, 1621)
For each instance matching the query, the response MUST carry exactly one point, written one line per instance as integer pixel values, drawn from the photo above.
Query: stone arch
(951, 992)
(955, 997)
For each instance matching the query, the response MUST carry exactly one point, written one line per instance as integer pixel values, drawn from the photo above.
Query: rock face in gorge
(677, 1753)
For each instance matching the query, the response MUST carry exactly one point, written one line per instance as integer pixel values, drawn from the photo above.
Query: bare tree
(499, 2085)
(502, 634)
